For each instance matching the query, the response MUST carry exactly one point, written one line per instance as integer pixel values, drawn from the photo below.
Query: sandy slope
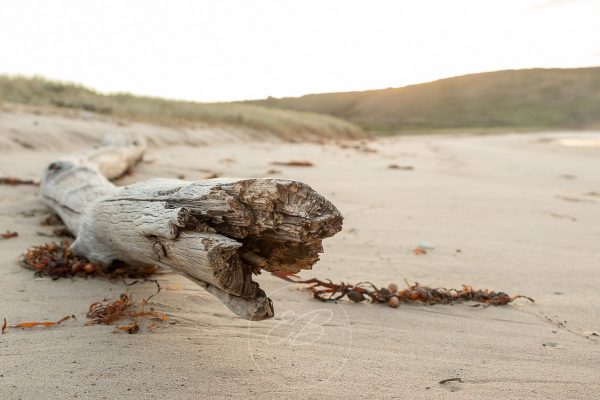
(524, 211)
(36, 128)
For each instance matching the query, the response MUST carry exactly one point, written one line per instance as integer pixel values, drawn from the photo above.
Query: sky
(225, 50)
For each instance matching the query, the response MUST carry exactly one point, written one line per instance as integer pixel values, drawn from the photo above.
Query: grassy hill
(513, 99)
(290, 125)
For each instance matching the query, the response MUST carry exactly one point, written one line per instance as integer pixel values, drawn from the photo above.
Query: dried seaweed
(12, 181)
(108, 313)
(34, 324)
(133, 328)
(416, 293)
(401, 167)
(419, 251)
(56, 260)
(9, 235)
(294, 163)
(450, 380)
(362, 146)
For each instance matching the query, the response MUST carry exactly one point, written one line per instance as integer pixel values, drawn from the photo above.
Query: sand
(517, 213)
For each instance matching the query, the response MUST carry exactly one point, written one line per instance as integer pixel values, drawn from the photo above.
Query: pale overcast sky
(243, 49)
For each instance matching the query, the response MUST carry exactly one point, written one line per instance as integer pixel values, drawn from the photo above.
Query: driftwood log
(216, 232)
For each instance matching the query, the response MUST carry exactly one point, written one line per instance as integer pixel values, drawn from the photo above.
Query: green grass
(520, 100)
(503, 100)
(289, 125)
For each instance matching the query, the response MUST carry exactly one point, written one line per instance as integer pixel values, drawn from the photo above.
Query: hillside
(528, 99)
(288, 125)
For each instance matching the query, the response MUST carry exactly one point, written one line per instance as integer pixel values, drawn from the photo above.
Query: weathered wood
(217, 232)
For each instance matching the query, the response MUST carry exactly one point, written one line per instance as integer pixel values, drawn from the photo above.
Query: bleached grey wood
(217, 232)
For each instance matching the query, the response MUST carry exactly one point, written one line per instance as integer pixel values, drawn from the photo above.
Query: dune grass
(515, 100)
(289, 125)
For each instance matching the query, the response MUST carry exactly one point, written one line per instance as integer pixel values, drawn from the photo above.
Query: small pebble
(393, 288)
(89, 268)
(394, 302)
(426, 245)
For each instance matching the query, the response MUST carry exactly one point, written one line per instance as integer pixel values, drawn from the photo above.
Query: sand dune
(518, 213)
(29, 128)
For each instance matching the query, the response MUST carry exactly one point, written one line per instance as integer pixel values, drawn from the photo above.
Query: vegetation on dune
(290, 125)
(513, 99)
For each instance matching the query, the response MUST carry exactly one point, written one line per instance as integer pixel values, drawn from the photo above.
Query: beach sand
(515, 213)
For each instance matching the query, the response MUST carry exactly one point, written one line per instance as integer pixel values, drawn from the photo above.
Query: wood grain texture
(217, 232)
